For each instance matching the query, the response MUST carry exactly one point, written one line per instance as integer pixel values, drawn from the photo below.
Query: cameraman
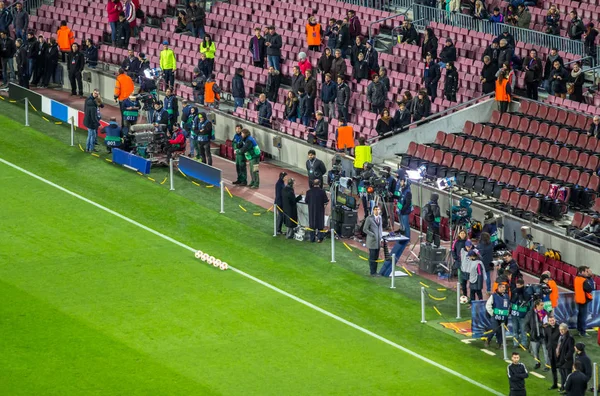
(519, 307)
(432, 216)
(388, 197)
(365, 182)
(404, 201)
(160, 115)
(131, 112)
(315, 168)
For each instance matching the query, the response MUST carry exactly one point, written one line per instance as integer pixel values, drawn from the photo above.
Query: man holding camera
(404, 202)
(432, 216)
(315, 168)
(373, 227)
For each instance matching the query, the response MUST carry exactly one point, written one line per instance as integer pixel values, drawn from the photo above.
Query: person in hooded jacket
(448, 53)
(273, 84)
(357, 48)
(451, 83)
(325, 63)
(430, 44)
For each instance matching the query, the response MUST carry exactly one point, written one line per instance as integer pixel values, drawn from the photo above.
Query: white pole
(332, 243)
(222, 197)
(171, 175)
(423, 305)
(393, 286)
(72, 132)
(595, 381)
(275, 209)
(504, 342)
(457, 300)
(26, 111)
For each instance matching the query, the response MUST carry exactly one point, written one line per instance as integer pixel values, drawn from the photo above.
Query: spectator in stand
(552, 21)
(208, 48)
(21, 62)
(75, 67)
(586, 364)
(357, 48)
(448, 53)
(496, 16)
(325, 63)
(168, 64)
(273, 84)
(338, 66)
(238, 91)
(408, 100)
(372, 57)
(258, 49)
(360, 69)
(198, 86)
(480, 12)
(204, 65)
(510, 15)
(212, 92)
(551, 337)
(314, 31)
(376, 95)
(291, 107)
(451, 83)
(321, 129)
(131, 65)
(488, 75)
(583, 286)
(265, 111)
(385, 123)
(344, 40)
(90, 52)
(310, 87)
(195, 18)
(497, 307)
(362, 154)
(575, 84)
(510, 39)
(123, 31)
(50, 62)
(505, 53)
(342, 99)
(91, 120)
(595, 127)
(303, 63)
(297, 79)
(559, 77)
(493, 51)
(40, 59)
(273, 43)
(328, 95)
(552, 56)
(303, 107)
(564, 354)
(408, 33)
(113, 9)
(21, 21)
(65, 39)
(523, 17)
(354, 27)
(401, 117)
(130, 9)
(384, 79)
(430, 44)
(575, 29)
(331, 32)
(422, 107)
(533, 74)
(589, 43)
(431, 76)
(535, 320)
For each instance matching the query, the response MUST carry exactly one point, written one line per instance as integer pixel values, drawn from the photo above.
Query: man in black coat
(90, 119)
(76, 63)
(409, 33)
(451, 83)
(7, 53)
(586, 363)
(321, 129)
(40, 57)
(533, 74)
(290, 208)
(238, 91)
(273, 42)
(564, 354)
(493, 51)
(488, 75)
(551, 336)
(51, 62)
(595, 127)
(258, 49)
(297, 80)
(577, 381)
(315, 168)
(316, 199)
(431, 76)
(273, 84)
(281, 183)
(196, 16)
(22, 63)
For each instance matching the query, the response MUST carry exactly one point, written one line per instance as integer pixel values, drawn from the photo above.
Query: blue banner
(200, 171)
(565, 312)
(131, 160)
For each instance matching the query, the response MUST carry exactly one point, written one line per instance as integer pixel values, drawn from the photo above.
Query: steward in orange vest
(503, 92)
(212, 92)
(345, 137)
(313, 34)
(583, 287)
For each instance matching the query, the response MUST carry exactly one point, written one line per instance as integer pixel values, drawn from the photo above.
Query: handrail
(413, 23)
(434, 116)
(578, 60)
(405, 13)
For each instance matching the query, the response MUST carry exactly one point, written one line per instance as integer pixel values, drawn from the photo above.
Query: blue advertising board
(199, 171)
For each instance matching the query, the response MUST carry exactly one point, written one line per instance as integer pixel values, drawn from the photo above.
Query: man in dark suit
(595, 127)
(281, 183)
(316, 199)
(373, 227)
(564, 354)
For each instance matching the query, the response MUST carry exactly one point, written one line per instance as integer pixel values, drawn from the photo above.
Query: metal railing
(532, 37)
(434, 116)
(404, 14)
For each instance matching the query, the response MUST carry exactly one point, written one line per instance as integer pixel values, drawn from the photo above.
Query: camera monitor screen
(346, 200)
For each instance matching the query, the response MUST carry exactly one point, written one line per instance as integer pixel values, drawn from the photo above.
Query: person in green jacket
(208, 48)
(240, 159)
(168, 64)
(251, 151)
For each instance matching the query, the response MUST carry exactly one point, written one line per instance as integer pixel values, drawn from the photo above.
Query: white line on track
(488, 352)
(536, 374)
(268, 285)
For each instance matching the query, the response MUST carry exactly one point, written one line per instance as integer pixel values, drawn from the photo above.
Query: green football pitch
(92, 302)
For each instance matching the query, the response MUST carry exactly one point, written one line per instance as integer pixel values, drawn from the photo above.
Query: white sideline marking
(488, 352)
(268, 285)
(536, 374)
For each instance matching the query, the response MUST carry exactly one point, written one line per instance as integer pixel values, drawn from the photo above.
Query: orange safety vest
(123, 86)
(313, 34)
(65, 38)
(501, 94)
(209, 95)
(581, 297)
(553, 293)
(345, 137)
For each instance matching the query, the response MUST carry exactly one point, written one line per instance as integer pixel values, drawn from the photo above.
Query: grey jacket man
(374, 232)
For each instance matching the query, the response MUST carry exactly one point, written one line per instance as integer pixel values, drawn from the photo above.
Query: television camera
(148, 141)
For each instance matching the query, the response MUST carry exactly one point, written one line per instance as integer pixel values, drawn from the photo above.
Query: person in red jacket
(113, 8)
(176, 142)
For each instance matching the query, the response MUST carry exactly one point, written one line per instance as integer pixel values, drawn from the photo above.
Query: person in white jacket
(477, 275)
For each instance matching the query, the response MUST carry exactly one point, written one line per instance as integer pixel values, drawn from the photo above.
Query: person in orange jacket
(583, 287)
(123, 89)
(553, 296)
(503, 92)
(65, 39)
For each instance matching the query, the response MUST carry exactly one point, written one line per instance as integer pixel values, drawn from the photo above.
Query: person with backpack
(432, 216)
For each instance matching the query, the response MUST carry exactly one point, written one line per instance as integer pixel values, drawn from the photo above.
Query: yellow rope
(436, 310)
(149, 178)
(228, 192)
(163, 182)
(241, 207)
(436, 298)
(195, 184)
(423, 284)
(407, 271)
